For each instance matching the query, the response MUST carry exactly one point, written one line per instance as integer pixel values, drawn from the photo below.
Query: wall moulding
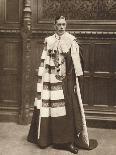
(81, 34)
(87, 25)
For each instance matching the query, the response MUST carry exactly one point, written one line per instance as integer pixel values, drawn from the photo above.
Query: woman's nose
(61, 27)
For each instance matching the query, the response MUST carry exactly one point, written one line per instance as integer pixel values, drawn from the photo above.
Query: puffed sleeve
(76, 58)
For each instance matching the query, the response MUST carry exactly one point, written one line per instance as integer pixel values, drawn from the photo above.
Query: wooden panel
(103, 57)
(1, 11)
(86, 50)
(102, 91)
(9, 90)
(10, 76)
(114, 92)
(114, 56)
(12, 54)
(88, 93)
(12, 11)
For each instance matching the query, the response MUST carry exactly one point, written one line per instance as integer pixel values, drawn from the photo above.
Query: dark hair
(58, 17)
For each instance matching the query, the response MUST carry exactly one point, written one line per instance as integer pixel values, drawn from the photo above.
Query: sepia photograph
(57, 77)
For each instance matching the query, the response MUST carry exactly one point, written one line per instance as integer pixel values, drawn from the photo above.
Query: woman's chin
(61, 32)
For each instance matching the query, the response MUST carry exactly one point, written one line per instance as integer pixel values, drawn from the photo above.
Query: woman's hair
(57, 18)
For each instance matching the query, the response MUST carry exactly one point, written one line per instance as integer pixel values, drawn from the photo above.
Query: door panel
(10, 81)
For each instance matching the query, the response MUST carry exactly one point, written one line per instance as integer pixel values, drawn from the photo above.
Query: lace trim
(53, 104)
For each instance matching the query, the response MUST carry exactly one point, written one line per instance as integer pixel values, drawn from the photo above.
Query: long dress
(58, 116)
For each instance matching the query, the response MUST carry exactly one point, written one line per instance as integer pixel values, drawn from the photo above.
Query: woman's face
(60, 26)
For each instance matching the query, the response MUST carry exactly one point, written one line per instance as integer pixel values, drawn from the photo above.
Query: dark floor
(13, 142)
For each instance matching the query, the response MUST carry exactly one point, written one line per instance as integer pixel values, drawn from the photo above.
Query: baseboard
(9, 114)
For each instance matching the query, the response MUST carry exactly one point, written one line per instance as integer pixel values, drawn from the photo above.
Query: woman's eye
(59, 24)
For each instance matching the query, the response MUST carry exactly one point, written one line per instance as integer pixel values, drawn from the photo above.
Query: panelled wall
(93, 22)
(10, 59)
(99, 79)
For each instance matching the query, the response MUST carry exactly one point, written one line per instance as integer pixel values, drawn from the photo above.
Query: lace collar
(59, 37)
